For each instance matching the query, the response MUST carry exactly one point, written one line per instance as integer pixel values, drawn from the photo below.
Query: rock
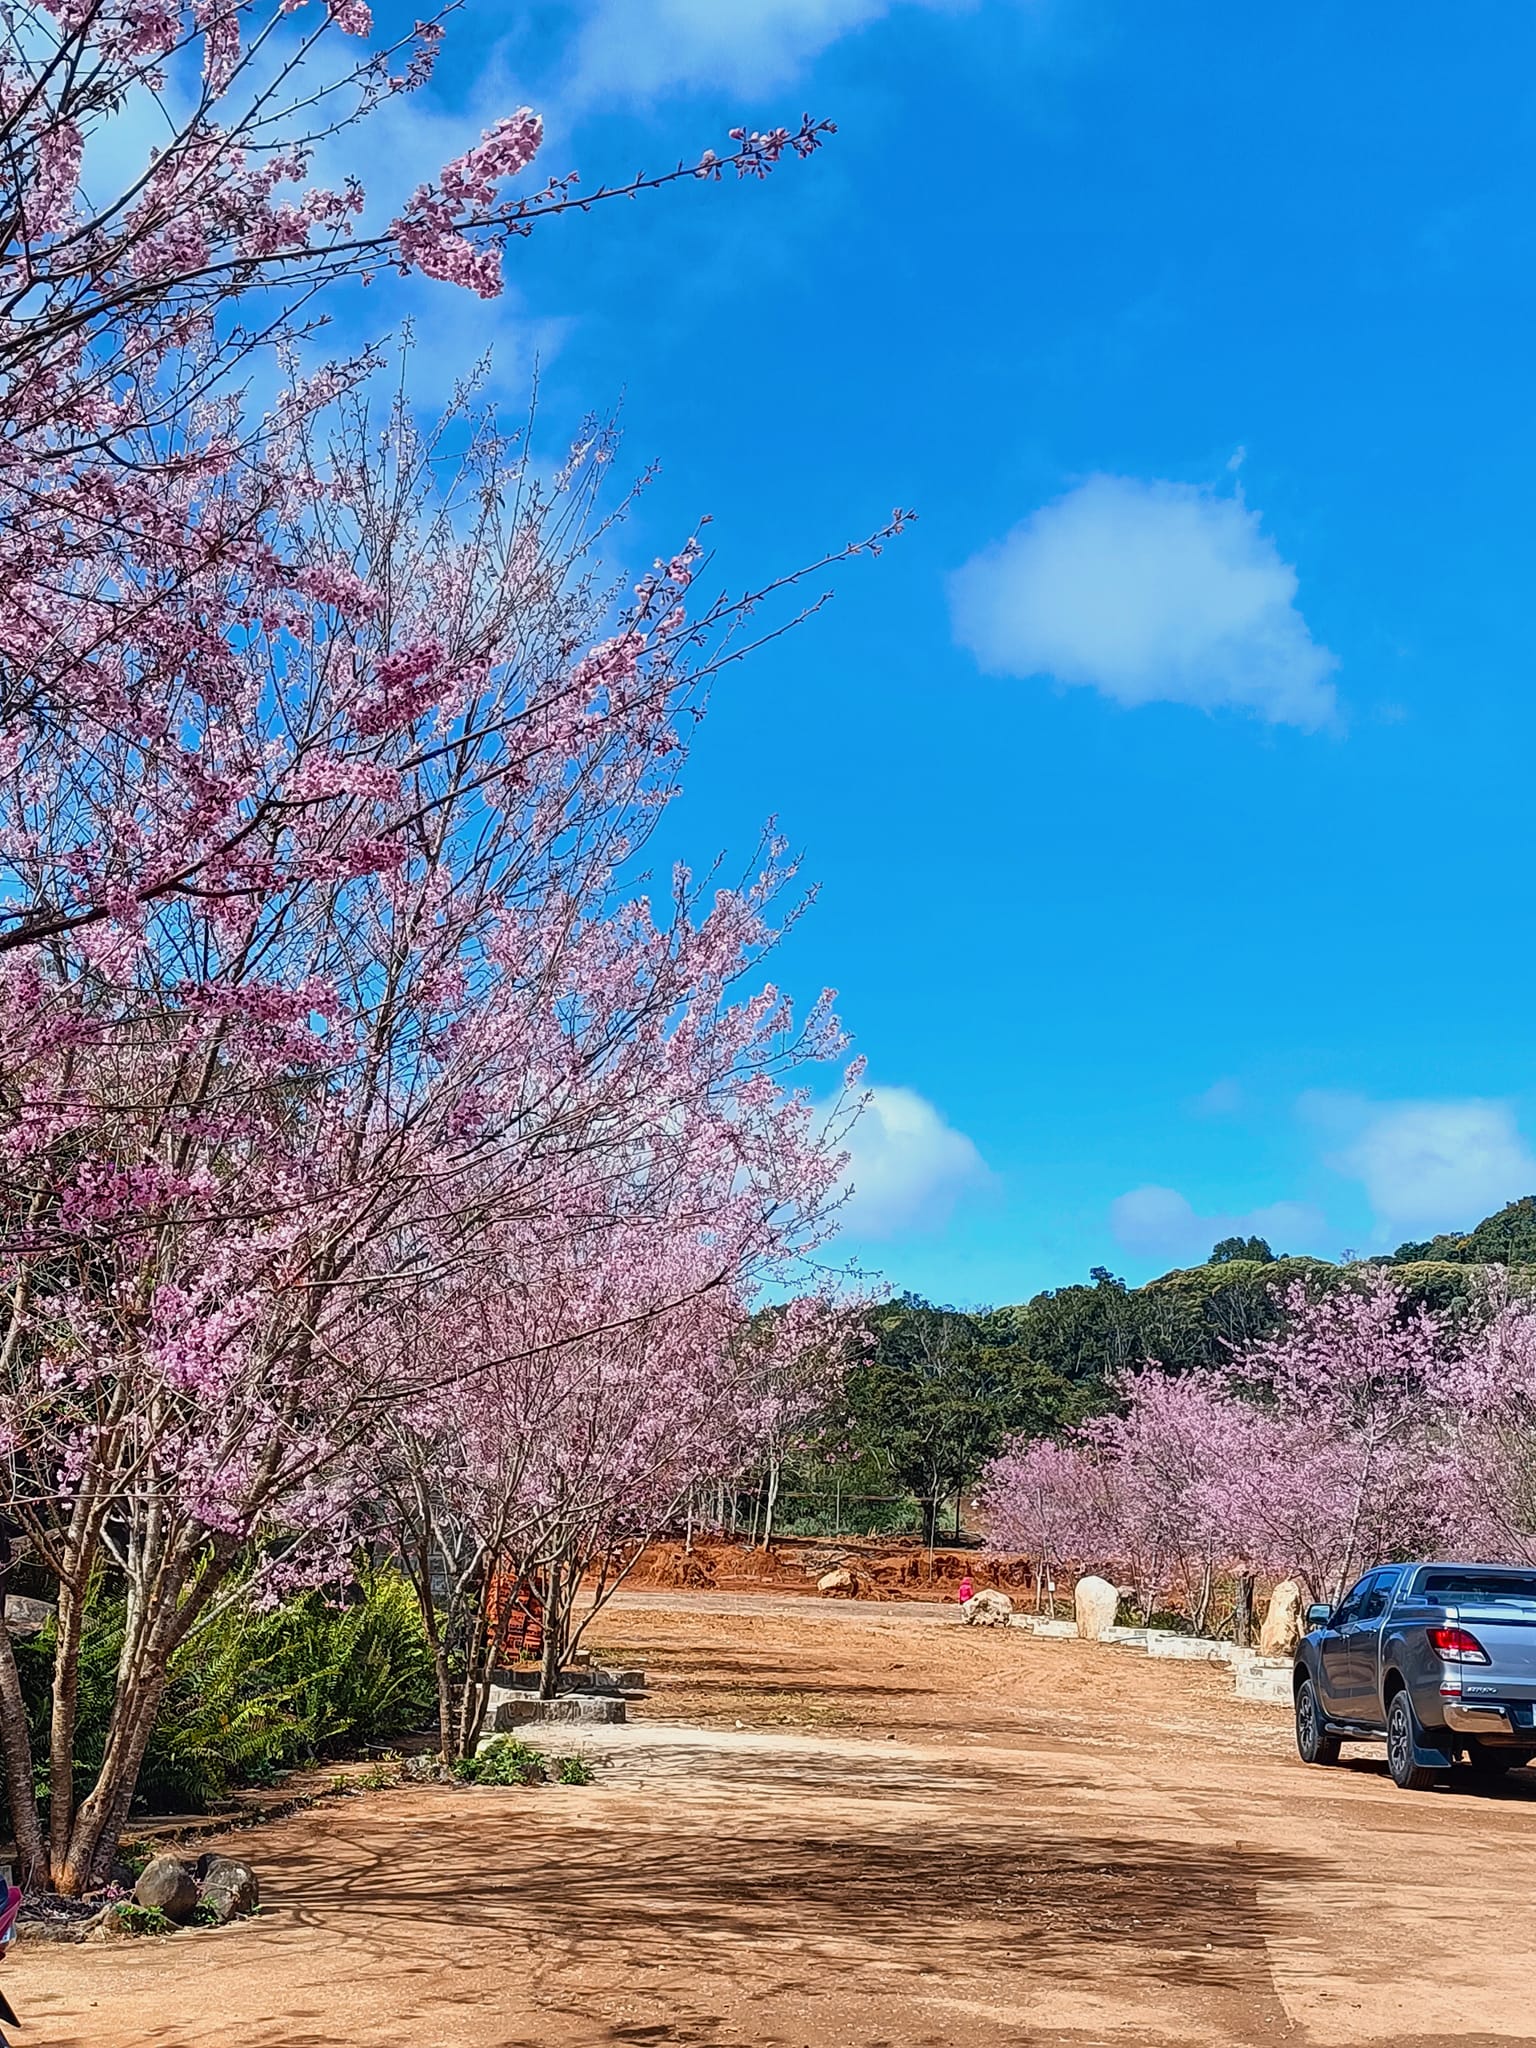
(25, 1616)
(1282, 1621)
(616, 1678)
(1097, 1603)
(226, 1887)
(987, 1610)
(835, 1583)
(167, 1886)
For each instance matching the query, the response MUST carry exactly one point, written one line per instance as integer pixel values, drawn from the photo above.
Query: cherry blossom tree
(1484, 1476)
(618, 1366)
(1035, 1496)
(339, 976)
(1346, 1434)
(1365, 1427)
(327, 763)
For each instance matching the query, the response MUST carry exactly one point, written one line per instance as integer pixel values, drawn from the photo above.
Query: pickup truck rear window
(1483, 1589)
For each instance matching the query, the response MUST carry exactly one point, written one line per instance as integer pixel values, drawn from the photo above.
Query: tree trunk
(64, 1707)
(104, 1812)
(1242, 1615)
(16, 1743)
(549, 1662)
(772, 1501)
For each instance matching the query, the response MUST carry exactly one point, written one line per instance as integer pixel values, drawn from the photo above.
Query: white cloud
(1223, 1098)
(1148, 592)
(1160, 1223)
(907, 1166)
(1427, 1166)
(640, 49)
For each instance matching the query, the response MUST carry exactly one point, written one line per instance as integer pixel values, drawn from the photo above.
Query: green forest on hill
(942, 1387)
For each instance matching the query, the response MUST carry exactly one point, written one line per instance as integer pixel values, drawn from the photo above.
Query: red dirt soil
(861, 1826)
(888, 1567)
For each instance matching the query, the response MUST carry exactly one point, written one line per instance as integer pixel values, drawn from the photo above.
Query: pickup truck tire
(1314, 1745)
(1407, 1776)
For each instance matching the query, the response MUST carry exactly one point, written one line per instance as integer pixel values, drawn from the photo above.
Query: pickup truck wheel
(1314, 1745)
(1406, 1774)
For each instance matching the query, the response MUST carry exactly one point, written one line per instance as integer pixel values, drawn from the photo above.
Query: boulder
(837, 1583)
(1281, 1631)
(987, 1610)
(168, 1886)
(226, 1887)
(1097, 1603)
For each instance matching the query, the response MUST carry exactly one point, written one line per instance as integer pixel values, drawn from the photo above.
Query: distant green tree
(1230, 1248)
(939, 1390)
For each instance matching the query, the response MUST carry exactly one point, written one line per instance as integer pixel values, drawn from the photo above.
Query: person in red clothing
(966, 1590)
(10, 1906)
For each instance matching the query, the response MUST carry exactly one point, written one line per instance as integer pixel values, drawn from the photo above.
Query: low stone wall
(1266, 1680)
(579, 1708)
(1193, 1649)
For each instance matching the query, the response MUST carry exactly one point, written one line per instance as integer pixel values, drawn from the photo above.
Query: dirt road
(852, 1827)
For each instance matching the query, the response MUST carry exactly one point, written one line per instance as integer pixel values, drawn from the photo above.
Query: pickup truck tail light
(1457, 1646)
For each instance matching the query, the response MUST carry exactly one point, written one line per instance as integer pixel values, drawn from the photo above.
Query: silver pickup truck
(1438, 1659)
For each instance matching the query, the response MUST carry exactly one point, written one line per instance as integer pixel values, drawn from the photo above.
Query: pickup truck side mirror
(1318, 1616)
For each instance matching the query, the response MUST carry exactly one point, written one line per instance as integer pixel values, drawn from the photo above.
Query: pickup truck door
(1334, 1650)
(1360, 1650)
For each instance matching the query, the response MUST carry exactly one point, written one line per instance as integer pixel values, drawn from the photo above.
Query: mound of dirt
(671, 1565)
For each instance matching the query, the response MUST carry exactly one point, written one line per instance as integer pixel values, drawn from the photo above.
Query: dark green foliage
(252, 1693)
(1230, 1248)
(573, 1770)
(939, 1391)
(1507, 1238)
(505, 1761)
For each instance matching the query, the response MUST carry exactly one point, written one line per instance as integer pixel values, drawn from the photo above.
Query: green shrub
(573, 1770)
(142, 1919)
(503, 1761)
(251, 1694)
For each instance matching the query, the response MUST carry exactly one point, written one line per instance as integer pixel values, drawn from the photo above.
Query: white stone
(987, 1610)
(1097, 1603)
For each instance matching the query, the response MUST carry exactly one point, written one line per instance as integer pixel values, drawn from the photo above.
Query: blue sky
(1167, 784)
